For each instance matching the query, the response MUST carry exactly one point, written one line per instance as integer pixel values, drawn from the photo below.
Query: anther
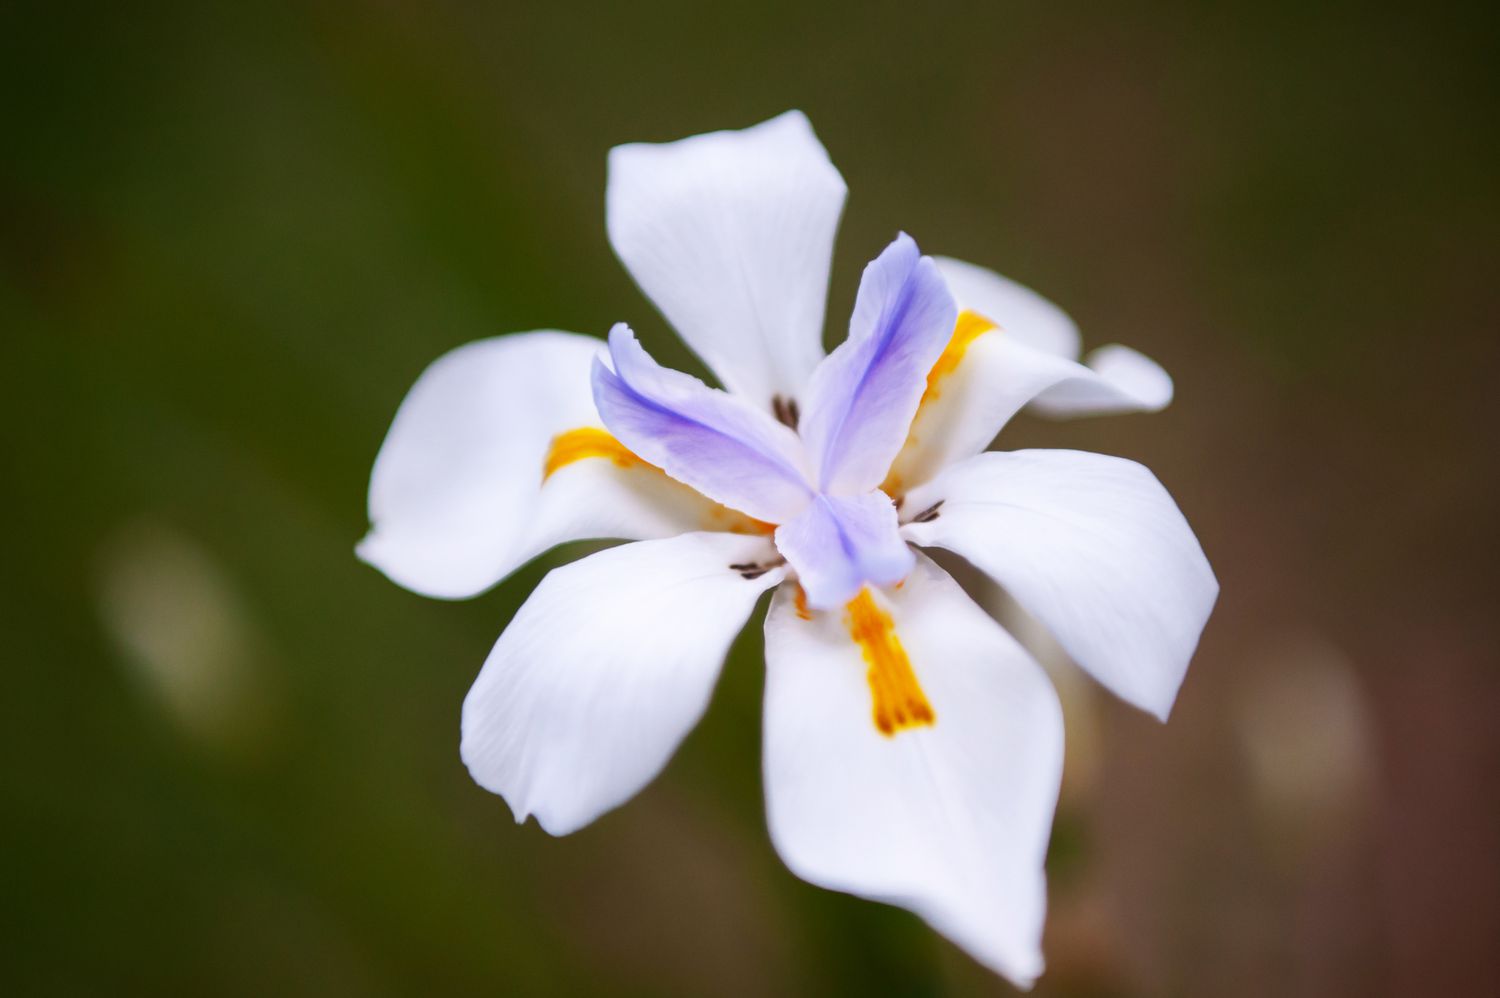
(929, 514)
(754, 569)
(785, 410)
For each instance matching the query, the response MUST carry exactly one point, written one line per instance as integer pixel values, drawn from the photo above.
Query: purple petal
(862, 397)
(719, 444)
(841, 543)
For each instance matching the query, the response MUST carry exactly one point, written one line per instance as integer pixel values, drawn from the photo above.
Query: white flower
(912, 747)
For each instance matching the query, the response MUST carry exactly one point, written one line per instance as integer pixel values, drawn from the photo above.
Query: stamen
(929, 514)
(898, 700)
(754, 569)
(585, 442)
(785, 410)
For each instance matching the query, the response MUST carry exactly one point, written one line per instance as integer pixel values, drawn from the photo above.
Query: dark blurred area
(231, 237)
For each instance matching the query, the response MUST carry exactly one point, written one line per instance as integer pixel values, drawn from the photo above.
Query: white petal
(599, 498)
(731, 235)
(457, 497)
(1128, 381)
(604, 670)
(1020, 311)
(992, 378)
(1092, 546)
(950, 820)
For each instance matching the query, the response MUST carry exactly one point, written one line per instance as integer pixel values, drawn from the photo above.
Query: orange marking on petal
(899, 702)
(970, 326)
(735, 522)
(590, 441)
(586, 442)
(799, 601)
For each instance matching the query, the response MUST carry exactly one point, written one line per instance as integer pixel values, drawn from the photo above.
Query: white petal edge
(1094, 548)
(457, 500)
(1020, 311)
(731, 235)
(604, 670)
(998, 375)
(949, 821)
(1135, 383)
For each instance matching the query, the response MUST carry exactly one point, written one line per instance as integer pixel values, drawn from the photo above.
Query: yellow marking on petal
(721, 517)
(899, 702)
(586, 442)
(799, 602)
(970, 326)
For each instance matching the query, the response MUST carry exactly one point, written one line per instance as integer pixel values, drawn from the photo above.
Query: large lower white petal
(604, 670)
(457, 497)
(949, 819)
(1093, 547)
(731, 235)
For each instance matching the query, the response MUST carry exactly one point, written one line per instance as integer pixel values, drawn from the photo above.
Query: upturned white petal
(1127, 381)
(948, 819)
(730, 234)
(1020, 311)
(986, 377)
(1090, 545)
(604, 670)
(457, 497)
(1136, 382)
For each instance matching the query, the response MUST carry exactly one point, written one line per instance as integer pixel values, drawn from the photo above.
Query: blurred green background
(231, 237)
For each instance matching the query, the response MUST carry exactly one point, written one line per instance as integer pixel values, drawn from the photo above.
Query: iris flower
(912, 748)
